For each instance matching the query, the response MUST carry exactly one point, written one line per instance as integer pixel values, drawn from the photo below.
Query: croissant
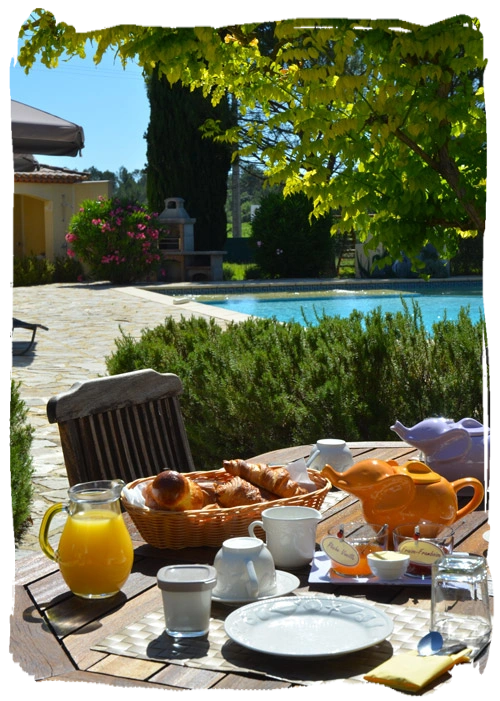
(237, 492)
(173, 491)
(274, 479)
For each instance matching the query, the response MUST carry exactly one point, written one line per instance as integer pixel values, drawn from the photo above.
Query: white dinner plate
(308, 626)
(285, 584)
(492, 536)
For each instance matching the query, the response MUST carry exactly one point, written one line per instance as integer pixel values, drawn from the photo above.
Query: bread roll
(173, 491)
(276, 480)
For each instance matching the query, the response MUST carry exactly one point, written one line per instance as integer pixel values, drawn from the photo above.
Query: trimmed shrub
(32, 270)
(67, 269)
(21, 469)
(287, 242)
(260, 385)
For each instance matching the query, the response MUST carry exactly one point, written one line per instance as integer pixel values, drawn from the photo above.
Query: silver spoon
(432, 644)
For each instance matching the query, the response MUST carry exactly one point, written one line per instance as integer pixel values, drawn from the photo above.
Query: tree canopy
(180, 162)
(382, 121)
(127, 185)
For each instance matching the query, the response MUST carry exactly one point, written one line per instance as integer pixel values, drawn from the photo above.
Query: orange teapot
(409, 493)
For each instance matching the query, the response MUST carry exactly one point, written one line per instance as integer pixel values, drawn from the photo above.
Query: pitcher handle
(312, 457)
(476, 498)
(43, 536)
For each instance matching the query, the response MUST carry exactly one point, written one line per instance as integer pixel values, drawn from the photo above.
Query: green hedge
(21, 470)
(261, 385)
(32, 270)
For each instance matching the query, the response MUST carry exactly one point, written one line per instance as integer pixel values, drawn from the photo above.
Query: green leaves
(389, 106)
(21, 462)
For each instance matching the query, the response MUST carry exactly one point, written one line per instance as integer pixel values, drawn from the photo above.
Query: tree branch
(416, 149)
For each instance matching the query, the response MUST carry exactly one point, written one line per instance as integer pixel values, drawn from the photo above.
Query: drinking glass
(460, 608)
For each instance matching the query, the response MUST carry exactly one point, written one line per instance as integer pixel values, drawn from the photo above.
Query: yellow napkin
(409, 671)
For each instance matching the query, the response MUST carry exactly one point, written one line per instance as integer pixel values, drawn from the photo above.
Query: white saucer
(492, 536)
(285, 584)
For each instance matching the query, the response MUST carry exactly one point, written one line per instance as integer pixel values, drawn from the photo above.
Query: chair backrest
(122, 426)
(491, 356)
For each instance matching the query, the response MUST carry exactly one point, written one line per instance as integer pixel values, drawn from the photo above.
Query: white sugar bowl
(386, 564)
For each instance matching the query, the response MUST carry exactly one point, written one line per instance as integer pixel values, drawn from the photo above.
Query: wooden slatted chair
(491, 356)
(122, 426)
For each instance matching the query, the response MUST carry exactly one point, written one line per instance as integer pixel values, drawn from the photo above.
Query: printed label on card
(421, 551)
(339, 551)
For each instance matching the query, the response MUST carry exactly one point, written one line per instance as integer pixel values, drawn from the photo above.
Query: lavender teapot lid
(473, 427)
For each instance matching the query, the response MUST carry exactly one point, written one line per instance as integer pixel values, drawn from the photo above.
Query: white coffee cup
(290, 534)
(245, 569)
(330, 451)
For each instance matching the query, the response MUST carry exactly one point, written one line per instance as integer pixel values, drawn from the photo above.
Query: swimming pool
(306, 307)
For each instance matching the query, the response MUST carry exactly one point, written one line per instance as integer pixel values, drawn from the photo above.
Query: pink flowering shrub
(117, 239)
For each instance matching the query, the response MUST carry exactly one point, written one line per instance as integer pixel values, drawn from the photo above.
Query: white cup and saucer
(330, 451)
(246, 573)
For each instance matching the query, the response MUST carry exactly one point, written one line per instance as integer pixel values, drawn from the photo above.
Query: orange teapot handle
(476, 498)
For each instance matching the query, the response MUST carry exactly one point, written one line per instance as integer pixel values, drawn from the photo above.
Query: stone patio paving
(83, 321)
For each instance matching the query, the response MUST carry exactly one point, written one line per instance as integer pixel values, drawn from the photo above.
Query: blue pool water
(306, 307)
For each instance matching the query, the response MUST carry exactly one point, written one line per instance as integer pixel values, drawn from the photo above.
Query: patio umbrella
(35, 131)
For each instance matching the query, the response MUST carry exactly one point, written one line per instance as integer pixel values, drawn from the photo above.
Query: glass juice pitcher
(95, 552)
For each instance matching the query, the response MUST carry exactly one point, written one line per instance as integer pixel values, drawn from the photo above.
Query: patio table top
(57, 636)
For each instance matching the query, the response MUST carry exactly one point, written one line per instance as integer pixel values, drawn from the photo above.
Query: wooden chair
(122, 426)
(491, 356)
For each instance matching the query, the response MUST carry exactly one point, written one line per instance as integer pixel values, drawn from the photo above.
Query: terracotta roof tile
(47, 174)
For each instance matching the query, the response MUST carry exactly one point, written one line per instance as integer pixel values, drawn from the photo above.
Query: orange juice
(95, 553)
(361, 568)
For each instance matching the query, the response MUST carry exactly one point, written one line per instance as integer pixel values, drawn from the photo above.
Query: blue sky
(110, 103)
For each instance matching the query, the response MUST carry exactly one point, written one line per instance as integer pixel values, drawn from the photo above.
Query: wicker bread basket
(191, 529)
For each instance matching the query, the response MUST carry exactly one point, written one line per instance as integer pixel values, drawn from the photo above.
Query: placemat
(146, 639)
(332, 497)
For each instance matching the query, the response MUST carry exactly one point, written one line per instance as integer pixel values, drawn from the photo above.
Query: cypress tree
(181, 163)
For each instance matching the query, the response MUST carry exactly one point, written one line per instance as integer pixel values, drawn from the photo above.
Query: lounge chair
(25, 347)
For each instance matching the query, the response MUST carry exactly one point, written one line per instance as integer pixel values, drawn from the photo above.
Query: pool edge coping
(242, 286)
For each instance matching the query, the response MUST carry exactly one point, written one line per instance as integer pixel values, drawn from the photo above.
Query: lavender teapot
(452, 449)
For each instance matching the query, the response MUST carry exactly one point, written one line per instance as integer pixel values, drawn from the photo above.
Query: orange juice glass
(95, 553)
(348, 546)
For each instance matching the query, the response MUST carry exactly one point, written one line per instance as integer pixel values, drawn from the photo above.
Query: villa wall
(43, 207)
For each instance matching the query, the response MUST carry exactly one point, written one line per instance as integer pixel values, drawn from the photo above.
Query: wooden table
(53, 632)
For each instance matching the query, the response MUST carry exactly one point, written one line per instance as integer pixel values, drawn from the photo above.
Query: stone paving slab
(83, 321)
